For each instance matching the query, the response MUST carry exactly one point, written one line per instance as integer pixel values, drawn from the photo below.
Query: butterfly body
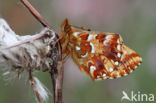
(101, 55)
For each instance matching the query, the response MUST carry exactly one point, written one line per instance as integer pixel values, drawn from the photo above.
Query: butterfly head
(66, 27)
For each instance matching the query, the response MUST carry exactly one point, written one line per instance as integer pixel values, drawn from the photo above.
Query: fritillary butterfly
(101, 55)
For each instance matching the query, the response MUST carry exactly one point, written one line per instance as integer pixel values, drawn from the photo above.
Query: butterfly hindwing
(101, 55)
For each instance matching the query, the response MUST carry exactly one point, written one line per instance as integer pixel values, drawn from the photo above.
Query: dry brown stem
(56, 74)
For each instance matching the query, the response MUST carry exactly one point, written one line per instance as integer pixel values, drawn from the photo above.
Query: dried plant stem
(59, 85)
(53, 76)
(35, 13)
(57, 78)
(56, 74)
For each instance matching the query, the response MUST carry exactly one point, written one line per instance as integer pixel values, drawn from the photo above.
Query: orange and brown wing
(103, 56)
(101, 67)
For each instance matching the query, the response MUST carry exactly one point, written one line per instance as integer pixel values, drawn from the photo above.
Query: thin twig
(57, 80)
(36, 14)
(56, 75)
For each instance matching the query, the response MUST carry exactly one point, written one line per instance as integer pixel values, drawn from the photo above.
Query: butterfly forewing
(101, 55)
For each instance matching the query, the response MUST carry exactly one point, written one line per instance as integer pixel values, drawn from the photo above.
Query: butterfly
(102, 55)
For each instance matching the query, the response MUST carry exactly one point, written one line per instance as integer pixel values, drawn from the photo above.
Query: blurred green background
(135, 20)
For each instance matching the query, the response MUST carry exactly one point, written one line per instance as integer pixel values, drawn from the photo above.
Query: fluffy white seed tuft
(41, 89)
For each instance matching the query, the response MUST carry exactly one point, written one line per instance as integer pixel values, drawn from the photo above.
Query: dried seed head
(27, 53)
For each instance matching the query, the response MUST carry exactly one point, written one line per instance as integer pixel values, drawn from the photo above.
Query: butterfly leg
(60, 37)
(63, 59)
